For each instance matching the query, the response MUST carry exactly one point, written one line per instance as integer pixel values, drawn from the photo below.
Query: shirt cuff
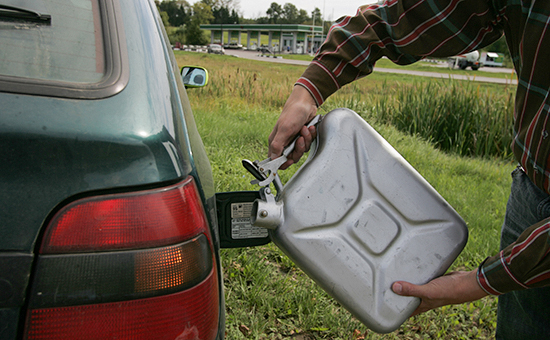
(495, 278)
(319, 81)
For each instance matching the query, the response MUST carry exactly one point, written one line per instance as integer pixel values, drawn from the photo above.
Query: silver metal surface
(356, 217)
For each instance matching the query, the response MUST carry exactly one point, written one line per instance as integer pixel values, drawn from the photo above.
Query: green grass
(267, 296)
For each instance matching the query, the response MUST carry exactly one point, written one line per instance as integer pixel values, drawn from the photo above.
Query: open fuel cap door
(356, 217)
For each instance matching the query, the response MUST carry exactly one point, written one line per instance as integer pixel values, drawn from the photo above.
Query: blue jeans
(523, 314)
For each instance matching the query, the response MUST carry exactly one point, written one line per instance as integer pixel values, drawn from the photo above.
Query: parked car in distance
(233, 46)
(108, 209)
(216, 49)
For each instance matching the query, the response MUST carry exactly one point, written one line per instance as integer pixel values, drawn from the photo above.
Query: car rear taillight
(139, 265)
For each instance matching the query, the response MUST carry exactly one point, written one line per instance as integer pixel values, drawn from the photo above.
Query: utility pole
(323, 21)
(313, 38)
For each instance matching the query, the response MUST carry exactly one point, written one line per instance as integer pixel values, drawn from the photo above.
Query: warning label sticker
(241, 226)
(241, 210)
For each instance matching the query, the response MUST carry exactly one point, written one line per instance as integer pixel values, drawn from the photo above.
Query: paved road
(256, 56)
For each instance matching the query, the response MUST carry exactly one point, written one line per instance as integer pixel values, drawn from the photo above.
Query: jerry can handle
(265, 171)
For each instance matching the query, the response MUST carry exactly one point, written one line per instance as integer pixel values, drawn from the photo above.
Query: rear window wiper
(23, 12)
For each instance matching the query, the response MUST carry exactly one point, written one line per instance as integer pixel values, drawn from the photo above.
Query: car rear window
(67, 48)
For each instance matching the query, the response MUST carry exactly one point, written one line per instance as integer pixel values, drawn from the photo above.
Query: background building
(291, 38)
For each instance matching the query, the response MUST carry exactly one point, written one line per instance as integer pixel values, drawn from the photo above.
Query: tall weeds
(247, 86)
(457, 117)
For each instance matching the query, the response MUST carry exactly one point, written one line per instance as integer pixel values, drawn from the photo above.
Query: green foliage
(182, 21)
(290, 12)
(177, 34)
(316, 15)
(194, 35)
(164, 17)
(455, 116)
(178, 12)
(202, 13)
(224, 15)
(274, 12)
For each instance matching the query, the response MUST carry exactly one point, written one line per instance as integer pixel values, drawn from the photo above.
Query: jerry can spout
(266, 211)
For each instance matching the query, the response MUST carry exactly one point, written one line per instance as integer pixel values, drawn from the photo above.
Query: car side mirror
(194, 76)
(234, 211)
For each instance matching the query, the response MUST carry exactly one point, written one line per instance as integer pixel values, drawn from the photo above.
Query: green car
(108, 218)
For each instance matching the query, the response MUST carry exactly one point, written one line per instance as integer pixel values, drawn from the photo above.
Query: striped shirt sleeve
(403, 31)
(523, 264)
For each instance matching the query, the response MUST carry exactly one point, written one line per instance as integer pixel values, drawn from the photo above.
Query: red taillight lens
(188, 315)
(127, 221)
(127, 266)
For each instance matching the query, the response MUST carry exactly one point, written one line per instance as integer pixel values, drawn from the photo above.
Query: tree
(194, 35)
(262, 20)
(290, 13)
(165, 19)
(316, 16)
(302, 16)
(222, 15)
(178, 11)
(201, 14)
(230, 5)
(177, 35)
(274, 12)
(234, 17)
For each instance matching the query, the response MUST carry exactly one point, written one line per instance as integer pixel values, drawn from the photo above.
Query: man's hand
(450, 289)
(299, 109)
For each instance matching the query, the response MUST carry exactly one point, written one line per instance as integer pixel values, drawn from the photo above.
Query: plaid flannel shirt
(409, 30)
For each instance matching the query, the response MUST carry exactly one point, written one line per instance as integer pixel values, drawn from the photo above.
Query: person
(406, 31)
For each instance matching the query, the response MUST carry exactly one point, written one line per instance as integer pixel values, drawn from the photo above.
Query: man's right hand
(453, 288)
(299, 109)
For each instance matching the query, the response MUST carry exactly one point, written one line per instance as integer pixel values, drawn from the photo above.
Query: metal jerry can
(356, 217)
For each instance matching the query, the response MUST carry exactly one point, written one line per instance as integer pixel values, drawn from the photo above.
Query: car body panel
(55, 150)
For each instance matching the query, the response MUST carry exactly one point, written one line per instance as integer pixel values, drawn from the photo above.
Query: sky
(331, 9)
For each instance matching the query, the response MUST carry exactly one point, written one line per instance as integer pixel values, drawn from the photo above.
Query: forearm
(454, 288)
